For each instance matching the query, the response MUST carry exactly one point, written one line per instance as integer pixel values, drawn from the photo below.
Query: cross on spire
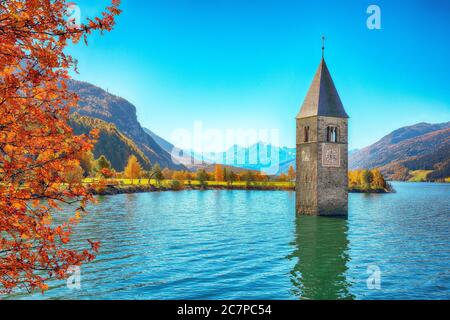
(323, 46)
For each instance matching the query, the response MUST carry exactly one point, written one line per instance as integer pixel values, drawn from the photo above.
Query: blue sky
(248, 64)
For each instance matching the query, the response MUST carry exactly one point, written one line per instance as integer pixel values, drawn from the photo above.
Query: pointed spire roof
(322, 98)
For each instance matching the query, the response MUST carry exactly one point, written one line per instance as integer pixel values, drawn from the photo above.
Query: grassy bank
(119, 186)
(419, 175)
(194, 183)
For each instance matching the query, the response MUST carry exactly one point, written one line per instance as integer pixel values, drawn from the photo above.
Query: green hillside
(112, 143)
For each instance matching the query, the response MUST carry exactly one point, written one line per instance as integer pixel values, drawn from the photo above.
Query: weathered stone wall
(321, 190)
(306, 183)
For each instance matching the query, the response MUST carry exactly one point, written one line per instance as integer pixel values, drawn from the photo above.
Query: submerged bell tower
(322, 149)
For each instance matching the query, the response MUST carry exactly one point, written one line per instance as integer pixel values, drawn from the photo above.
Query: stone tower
(322, 150)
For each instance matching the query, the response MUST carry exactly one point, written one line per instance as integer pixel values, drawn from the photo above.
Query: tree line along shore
(98, 174)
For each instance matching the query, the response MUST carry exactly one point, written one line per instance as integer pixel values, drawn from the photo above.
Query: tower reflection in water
(321, 251)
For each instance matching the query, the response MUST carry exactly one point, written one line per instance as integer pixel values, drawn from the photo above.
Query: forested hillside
(112, 143)
(422, 149)
(97, 103)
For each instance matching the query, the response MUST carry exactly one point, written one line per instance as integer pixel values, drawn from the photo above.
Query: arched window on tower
(306, 135)
(332, 134)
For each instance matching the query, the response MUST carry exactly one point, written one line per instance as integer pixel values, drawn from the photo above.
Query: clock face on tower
(331, 155)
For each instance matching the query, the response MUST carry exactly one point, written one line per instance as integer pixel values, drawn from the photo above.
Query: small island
(368, 181)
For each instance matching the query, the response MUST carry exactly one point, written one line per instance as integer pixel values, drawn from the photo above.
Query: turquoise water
(251, 245)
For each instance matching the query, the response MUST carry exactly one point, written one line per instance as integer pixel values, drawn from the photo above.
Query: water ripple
(251, 245)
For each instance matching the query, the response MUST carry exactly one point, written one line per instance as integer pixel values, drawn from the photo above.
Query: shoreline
(110, 190)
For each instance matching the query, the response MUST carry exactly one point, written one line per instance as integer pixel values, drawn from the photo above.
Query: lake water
(251, 245)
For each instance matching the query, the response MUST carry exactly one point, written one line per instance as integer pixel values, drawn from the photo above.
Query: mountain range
(420, 147)
(399, 155)
(258, 157)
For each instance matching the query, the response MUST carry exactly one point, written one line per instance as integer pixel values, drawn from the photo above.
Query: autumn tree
(261, 176)
(378, 181)
(291, 173)
(202, 177)
(218, 173)
(230, 177)
(354, 178)
(366, 178)
(36, 142)
(178, 175)
(157, 173)
(133, 168)
(167, 173)
(225, 172)
(87, 162)
(189, 176)
(107, 173)
(248, 177)
(73, 174)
